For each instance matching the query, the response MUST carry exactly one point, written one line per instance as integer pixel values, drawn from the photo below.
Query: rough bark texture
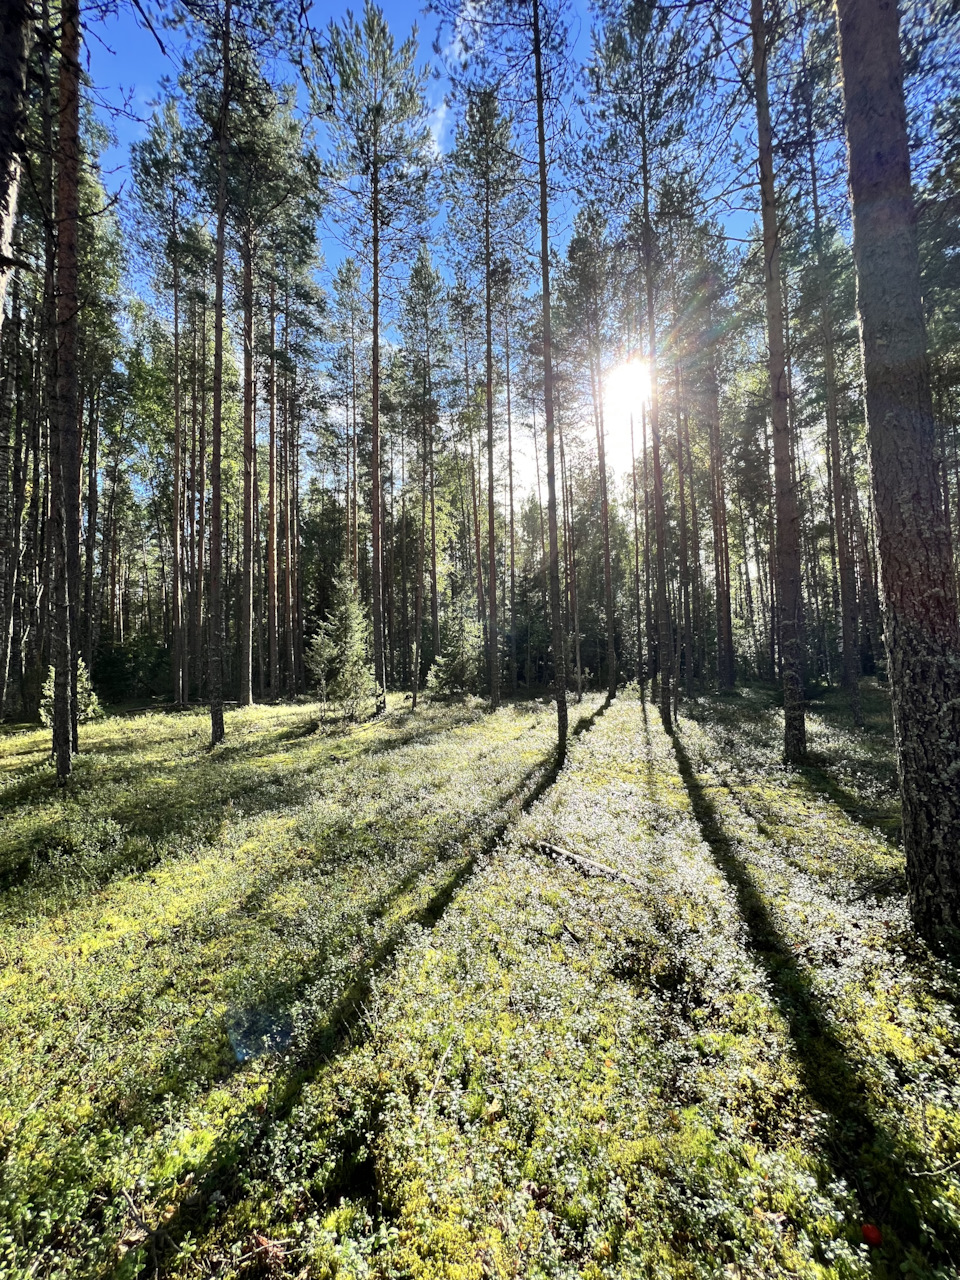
(787, 513)
(16, 37)
(919, 602)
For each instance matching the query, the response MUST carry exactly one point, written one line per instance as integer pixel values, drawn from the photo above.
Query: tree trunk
(636, 558)
(16, 38)
(664, 628)
(272, 506)
(180, 691)
(610, 617)
(67, 483)
(559, 662)
(512, 526)
(684, 546)
(246, 566)
(379, 666)
(919, 601)
(849, 622)
(721, 547)
(93, 502)
(493, 638)
(215, 641)
(788, 518)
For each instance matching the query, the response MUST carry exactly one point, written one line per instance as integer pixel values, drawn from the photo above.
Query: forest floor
(333, 1000)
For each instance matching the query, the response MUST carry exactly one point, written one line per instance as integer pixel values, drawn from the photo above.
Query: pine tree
(919, 596)
(381, 149)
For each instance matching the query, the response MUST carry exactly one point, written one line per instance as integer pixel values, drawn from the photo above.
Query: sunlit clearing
(626, 389)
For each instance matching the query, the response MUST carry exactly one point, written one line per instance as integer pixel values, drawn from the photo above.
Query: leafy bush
(87, 701)
(338, 656)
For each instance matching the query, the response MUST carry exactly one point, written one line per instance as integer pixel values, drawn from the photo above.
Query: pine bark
(919, 601)
(16, 38)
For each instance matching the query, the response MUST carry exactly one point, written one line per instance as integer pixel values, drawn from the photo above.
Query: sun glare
(626, 389)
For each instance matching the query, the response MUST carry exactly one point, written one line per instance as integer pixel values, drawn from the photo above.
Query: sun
(626, 389)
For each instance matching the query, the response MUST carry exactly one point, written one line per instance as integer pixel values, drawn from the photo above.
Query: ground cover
(182, 929)
(723, 1055)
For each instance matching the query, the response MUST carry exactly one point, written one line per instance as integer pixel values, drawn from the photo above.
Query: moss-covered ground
(330, 1001)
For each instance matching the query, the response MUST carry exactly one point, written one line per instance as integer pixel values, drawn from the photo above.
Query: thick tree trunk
(787, 513)
(16, 38)
(559, 656)
(919, 601)
(215, 640)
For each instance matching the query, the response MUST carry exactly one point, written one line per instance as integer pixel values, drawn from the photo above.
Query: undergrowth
(357, 1013)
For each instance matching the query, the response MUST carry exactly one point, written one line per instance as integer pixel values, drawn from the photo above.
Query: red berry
(873, 1235)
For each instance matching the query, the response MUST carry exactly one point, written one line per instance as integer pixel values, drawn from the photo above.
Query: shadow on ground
(863, 1153)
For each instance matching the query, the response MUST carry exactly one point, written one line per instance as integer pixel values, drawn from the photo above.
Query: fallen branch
(586, 865)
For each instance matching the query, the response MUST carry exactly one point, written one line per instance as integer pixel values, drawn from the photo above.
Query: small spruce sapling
(338, 656)
(88, 704)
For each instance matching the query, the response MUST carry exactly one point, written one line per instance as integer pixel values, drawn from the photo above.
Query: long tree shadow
(868, 1156)
(222, 1172)
(817, 778)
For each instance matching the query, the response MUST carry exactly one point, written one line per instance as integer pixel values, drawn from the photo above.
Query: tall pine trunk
(559, 656)
(246, 564)
(66, 468)
(16, 38)
(493, 638)
(272, 639)
(919, 601)
(379, 663)
(215, 639)
(787, 513)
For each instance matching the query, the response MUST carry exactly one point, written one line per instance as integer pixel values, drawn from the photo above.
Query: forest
(479, 642)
